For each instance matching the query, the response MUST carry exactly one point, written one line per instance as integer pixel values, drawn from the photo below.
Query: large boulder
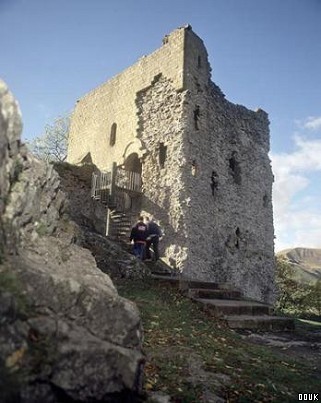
(10, 129)
(66, 334)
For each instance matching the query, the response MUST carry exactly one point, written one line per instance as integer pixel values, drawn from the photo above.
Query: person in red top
(138, 235)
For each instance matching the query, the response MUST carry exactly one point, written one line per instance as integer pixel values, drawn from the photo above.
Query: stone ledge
(266, 323)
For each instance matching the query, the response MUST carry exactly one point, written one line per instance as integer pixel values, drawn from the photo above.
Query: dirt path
(304, 344)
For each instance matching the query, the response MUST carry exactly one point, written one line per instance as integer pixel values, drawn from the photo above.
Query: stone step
(220, 307)
(208, 285)
(200, 284)
(120, 221)
(159, 272)
(260, 322)
(120, 217)
(167, 280)
(121, 224)
(219, 293)
(123, 233)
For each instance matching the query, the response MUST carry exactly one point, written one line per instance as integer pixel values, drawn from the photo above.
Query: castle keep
(202, 161)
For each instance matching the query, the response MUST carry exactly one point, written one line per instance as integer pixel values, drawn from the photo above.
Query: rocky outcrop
(10, 127)
(66, 335)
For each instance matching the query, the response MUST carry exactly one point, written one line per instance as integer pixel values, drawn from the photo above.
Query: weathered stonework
(205, 168)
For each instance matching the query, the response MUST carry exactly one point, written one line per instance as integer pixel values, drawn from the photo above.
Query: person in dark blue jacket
(153, 234)
(138, 235)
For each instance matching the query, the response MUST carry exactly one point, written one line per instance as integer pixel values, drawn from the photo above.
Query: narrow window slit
(162, 154)
(112, 139)
(196, 117)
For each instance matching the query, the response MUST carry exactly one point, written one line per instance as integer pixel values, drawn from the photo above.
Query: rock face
(65, 333)
(306, 263)
(10, 126)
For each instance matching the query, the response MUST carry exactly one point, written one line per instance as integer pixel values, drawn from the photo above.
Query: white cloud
(297, 215)
(312, 123)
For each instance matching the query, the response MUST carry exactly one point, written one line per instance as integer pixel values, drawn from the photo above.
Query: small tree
(315, 297)
(293, 297)
(52, 145)
(287, 287)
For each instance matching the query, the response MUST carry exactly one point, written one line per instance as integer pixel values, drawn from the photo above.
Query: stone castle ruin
(169, 145)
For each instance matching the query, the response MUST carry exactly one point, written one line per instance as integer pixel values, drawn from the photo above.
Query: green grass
(179, 335)
(313, 325)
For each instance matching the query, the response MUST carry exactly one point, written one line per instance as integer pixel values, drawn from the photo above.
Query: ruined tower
(206, 174)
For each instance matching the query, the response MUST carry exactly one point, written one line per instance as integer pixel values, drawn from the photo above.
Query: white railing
(128, 180)
(100, 185)
(105, 185)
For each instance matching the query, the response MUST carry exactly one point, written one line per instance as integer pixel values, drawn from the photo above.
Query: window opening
(235, 169)
(162, 154)
(214, 182)
(237, 241)
(265, 200)
(196, 117)
(112, 139)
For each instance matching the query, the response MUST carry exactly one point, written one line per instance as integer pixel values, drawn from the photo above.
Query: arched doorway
(132, 163)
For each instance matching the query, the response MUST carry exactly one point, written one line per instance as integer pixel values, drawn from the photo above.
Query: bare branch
(52, 144)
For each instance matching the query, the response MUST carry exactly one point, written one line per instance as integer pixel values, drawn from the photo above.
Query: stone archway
(134, 147)
(133, 163)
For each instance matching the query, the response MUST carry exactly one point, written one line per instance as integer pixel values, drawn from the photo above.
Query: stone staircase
(116, 189)
(120, 224)
(225, 303)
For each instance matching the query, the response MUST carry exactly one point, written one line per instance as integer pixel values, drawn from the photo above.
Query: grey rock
(66, 334)
(159, 397)
(10, 127)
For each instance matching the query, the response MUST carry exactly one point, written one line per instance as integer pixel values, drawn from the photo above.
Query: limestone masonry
(206, 174)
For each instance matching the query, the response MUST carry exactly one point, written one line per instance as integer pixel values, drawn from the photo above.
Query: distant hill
(306, 263)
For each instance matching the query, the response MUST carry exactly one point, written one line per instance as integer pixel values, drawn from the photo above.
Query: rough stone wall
(114, 102)
(228, 177)
(197, 70)
(230, 212)
(163, 188)
(212, 193)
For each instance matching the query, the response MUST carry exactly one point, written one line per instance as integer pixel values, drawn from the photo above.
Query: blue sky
(263, 54)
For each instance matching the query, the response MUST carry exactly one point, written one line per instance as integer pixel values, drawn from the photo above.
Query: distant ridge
(306, 263)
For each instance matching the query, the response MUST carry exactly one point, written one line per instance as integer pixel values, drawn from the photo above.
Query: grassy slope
(190, 354)
(306, 263)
